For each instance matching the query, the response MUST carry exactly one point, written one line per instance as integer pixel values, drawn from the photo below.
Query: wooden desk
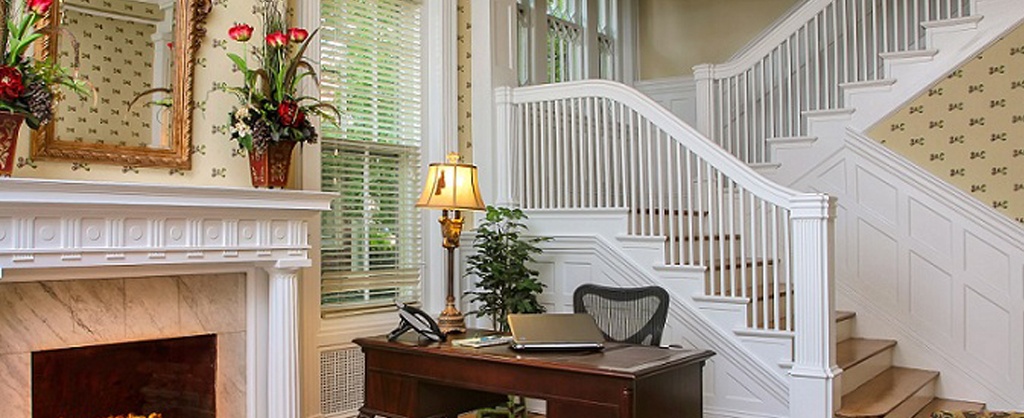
(410, 379)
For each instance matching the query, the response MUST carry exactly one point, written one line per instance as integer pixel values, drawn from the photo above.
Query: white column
(494, 66)
(814, 392)
(283, 338)
(505, 136)
(704, 76)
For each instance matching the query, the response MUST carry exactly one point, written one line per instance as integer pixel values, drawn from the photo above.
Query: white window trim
(439, 124)
(625, 42)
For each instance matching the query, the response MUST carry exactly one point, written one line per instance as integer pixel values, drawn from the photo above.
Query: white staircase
(917, 259)
(634, 196)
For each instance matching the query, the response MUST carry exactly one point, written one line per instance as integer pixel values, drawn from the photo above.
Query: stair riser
(680, 224)
(844, 330)
(739, 282)
(708, 248)
(757, 315)
(909, 407)
(866, 370)
(724, 315)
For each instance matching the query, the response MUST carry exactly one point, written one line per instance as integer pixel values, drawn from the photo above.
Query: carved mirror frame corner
(189, 30)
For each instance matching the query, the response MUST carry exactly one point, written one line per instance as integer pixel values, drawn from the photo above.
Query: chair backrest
(634, 315)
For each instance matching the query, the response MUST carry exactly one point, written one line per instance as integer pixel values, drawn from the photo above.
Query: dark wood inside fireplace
(174, 377)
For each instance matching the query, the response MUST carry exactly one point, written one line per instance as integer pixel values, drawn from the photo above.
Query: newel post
(704, 78)
(505, 139)
(814, 392)
(283, 338)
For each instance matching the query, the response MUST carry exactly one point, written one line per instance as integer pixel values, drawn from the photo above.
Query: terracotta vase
(269, 167)
(10, 125)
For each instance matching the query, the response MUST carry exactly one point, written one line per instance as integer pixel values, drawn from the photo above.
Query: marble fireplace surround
(99, 256)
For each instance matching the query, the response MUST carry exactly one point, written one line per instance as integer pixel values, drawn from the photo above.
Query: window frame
(438, 84)
(533, 68)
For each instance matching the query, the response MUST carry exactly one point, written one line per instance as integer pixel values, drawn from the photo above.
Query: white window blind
(370, 60)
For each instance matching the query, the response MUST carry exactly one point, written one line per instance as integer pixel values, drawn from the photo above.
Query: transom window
(577, 40)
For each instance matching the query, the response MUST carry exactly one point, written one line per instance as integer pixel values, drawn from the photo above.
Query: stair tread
(939, 404)
(730, 264)
(673, 212)
(750, 291)
(704, 238)
(880, 395)
(844, 315)
(853, 351)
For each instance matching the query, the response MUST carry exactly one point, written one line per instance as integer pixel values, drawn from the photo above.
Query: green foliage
(514, 408)
(506, 283)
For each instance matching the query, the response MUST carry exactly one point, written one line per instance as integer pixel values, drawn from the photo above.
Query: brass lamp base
(451, 320)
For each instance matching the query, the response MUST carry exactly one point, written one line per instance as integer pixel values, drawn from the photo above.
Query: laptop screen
(555, 331)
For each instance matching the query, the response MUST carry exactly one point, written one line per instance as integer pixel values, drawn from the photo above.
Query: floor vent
(341, 380)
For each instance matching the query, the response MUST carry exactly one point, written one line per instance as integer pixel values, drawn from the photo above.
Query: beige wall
(968, 129)
(675, 35)
(215, 160)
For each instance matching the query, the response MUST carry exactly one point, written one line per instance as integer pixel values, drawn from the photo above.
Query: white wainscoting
(677, 94)
(925, 264)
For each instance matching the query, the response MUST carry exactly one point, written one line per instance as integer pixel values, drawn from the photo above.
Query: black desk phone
(413, 318)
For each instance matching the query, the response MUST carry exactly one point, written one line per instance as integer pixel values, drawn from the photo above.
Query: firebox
(172, 377)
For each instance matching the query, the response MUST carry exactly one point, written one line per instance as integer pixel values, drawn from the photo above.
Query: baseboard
(726, 413)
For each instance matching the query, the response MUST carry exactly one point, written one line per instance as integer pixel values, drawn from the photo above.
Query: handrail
(601, 145)
(770, 38)
(665, 119)
(803, 65)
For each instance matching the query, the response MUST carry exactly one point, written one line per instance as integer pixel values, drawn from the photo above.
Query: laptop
(555, 332)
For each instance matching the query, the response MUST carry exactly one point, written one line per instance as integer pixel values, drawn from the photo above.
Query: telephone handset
(413, 318)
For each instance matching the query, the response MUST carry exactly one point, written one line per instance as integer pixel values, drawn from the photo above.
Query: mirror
(125, 47)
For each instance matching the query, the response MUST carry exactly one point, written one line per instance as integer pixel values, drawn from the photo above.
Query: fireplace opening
(172, 377)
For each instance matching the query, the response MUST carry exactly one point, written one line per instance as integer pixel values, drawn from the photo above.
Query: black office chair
(633, 315)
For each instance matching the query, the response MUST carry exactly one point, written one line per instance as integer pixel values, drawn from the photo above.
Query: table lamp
(453, 188)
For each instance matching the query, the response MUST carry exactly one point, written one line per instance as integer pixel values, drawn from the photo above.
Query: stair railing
(600, 144)
(802, 65)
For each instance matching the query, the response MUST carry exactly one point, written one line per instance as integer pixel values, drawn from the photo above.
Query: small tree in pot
(505, 283)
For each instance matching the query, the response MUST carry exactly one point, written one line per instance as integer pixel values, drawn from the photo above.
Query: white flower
(240, 129)
(242, 113)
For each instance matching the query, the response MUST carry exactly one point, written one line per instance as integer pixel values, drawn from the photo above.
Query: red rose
(290, 114)
(39, 7)
(277, 39)
(240, 32)
(297, 34)
(10, 83)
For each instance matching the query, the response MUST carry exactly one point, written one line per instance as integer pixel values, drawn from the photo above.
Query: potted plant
(28, 87)
(505, 282)
(271, 117)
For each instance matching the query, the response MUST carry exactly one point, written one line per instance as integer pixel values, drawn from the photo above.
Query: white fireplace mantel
(49, 226)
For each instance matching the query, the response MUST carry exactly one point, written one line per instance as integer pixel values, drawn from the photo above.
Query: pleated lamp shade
(451, 186)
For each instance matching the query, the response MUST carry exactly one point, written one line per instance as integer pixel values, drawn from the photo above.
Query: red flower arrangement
(11, 86)
(240, 32)
(27, 86)
(270, 109)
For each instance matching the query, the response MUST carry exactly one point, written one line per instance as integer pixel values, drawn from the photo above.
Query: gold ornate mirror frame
(189, 31)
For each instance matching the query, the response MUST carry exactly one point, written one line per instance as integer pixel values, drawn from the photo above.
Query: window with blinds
(370, 241)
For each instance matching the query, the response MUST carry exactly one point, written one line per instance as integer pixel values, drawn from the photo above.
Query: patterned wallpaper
(969, 128)
(119, 56)
(216, 160)
(465, 47)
